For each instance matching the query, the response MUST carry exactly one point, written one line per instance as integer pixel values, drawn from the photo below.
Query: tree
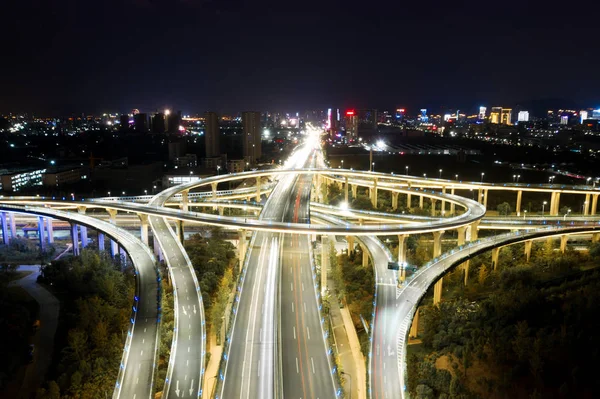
(504, 209)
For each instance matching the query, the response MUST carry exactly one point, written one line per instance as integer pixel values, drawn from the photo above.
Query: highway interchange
(276, 347)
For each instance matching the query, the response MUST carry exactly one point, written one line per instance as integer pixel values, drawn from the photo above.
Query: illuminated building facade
(351, 120)
(252, 135)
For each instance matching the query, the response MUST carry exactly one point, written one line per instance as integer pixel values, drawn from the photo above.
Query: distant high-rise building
(140, 122)
(506, 116)
(564, 119)
(523, 116)
(495, 114)
(158, 123)
(212, 134)
(423, 116)
(583, 115)
(596, 114)
(400, 114)
(124, 121)
(351, 126)
(173, 121)
(252, 136)
(481, 114)
(367, 120)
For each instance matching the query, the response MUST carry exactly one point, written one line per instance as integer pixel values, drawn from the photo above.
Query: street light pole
(543, 205)
(482, 174)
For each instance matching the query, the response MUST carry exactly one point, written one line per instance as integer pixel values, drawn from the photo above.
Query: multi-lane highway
(186, 363)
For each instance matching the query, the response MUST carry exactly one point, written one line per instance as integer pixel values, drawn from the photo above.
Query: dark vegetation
(96, 296)
(526, 330)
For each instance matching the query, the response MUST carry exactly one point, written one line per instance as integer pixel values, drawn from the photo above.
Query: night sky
(98, 56)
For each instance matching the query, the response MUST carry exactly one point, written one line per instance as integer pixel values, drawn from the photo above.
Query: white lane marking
(291, 286)
(294, 332)
(308, 332)
(142, 352)
(292, 307)
(302, 286)
(313, 364)
(258, 367)
(304, 307)
(297, 369)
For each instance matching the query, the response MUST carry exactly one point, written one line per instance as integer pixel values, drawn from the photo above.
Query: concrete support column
(241, 247)
(144, 227)
(495, 257)
(213, 189)
(437, 291)
(554, 203)
(41, 232)
(112, 216)
(374, 194)
(354, 188)
(84, 236)
(557, 204)
(452, 204)
(75, 239)
(365, 256)
(324, 263)
(443, 206)
(346, 189)
(479, 195)
(437, 243)
(485, 196)
(594, 204)
(472, 231)
(414, 327)
(462, 231)
(114, 248)
(394, 200)
(519, 199)
(184, 201)
(402, 248)
(465, 267)
(433, 201)
(257, 189)
(4, 228)
(586, 205)
(420, 202)
(100, 241)
(350, 240)
(563, 243)
(409, 201)
(123, 255)
(12, 224)
(528, 245)
(221, 210)
(595, 237)
(179, 230)
(49, 230)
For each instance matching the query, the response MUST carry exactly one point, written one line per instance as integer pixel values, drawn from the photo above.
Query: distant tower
(211, 135)
(252, 136)
(351, 126)
(523, 116)
(482, 111)
(506, 116)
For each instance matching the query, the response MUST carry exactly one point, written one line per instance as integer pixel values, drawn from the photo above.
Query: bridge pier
(437, 243)
(485, 197)
(528, 245)
(414, 327)
(144, 227)
(554, 203)
(346, 189)
(354, 189)
(586, 205)
(41, 232)
(350, 240)
(4, 228)
(421, 202)
(594, 204)
(563, 243)
(75, 239)
(257, 189)
(465, 266)
(114, 248)
(123, 255)
(100, 241)
(443, 205)
(472, 231)
(462, 232)
(437, 291)
(433, 201)
(595, 237)
(495, 257)
(479, 195)
(519, 199)
(179, 230)
(452, 204)
(374, 194)
(184, 202)
(84, 236)
(365, 256)
(50, 230)
(402, 248)
(395, 200)
(409, 201)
